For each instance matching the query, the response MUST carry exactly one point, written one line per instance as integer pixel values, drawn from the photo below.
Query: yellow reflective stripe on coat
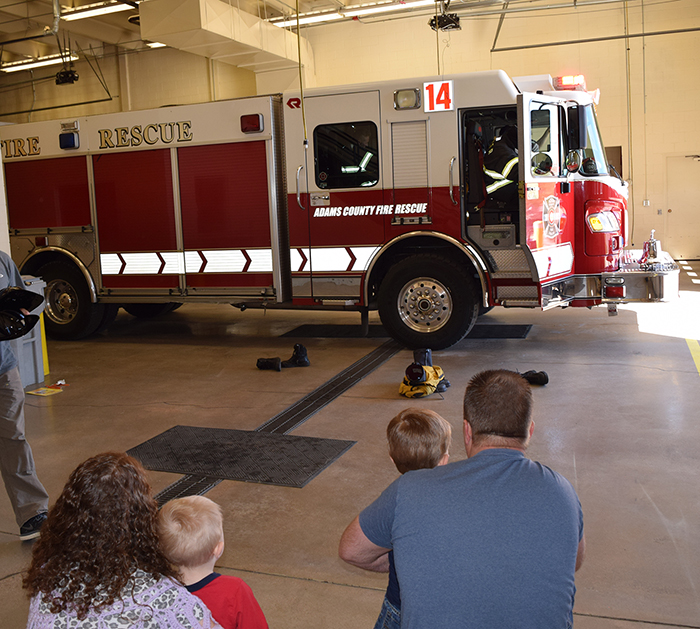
(509, 166)
(500, 179)
(499, 184)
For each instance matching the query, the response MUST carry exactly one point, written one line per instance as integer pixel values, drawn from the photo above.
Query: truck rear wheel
(146, 311)
(428, 301)
(69, 313)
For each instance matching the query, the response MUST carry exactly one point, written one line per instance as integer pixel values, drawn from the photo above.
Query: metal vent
(409, 153)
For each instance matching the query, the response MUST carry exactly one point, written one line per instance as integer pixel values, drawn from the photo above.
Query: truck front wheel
(69, 313)
(428, 301)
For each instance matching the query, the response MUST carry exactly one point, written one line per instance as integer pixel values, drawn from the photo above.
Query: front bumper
(641, 283)
(632, 283)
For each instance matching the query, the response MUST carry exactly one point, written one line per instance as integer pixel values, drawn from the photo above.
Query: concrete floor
(618, 419)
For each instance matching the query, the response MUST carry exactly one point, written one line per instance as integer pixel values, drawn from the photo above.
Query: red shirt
(231, 601)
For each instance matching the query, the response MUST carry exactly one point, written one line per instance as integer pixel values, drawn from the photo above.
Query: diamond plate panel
(509, 263)
(517, 292)
(81, 244)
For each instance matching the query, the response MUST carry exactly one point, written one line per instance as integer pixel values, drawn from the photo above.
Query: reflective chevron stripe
(323, 260)
(332, 259)
(175, 263)
(168, 263)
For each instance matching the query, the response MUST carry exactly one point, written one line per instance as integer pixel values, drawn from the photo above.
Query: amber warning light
(570, 82)
(252, 123)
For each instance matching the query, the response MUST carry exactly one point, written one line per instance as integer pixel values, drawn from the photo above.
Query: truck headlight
(603, 222)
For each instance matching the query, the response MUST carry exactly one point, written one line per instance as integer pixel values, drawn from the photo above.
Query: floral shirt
(147, 603)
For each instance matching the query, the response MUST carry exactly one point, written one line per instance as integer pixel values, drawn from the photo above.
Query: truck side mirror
(576, 127)
(573, 161)
(541, 164)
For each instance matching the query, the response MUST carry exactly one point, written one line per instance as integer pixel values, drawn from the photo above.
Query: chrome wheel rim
(424, 305)
(61, 301)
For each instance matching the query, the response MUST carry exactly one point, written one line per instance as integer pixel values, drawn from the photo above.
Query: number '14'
(443, 99)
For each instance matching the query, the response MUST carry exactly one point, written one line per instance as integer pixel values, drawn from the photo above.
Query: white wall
(135, 80)
(165, 76)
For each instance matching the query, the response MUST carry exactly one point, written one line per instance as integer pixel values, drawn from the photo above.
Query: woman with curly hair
(98, 561)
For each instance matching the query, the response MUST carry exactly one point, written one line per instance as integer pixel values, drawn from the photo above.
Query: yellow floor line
(44, 350)
(694, 348)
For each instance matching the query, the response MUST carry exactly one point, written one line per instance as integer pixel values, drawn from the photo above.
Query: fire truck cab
(358, 197)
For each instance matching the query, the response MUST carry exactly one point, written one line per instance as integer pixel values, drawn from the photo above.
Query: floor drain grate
(300, 411)
(190, 485)
(292, 417)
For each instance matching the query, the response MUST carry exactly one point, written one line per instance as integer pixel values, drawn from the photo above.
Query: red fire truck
(350, 198)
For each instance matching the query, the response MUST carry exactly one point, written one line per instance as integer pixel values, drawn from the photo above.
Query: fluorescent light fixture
(155, 44)
(30, 64)
(310, 19)
(347, 12)
(385, 8)
(93, 10)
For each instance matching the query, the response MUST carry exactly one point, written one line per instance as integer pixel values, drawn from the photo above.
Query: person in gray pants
(27, 495)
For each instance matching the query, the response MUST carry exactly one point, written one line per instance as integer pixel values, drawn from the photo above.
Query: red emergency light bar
(570, 82)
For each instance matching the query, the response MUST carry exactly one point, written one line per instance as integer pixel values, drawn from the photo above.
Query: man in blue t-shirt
(490, 542)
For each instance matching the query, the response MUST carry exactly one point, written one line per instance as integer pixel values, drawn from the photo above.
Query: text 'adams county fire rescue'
(371, 210)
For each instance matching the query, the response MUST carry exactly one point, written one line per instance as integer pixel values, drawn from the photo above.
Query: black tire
(69, 314)
(428, 301)
(110, 314)
(146, 311)
(483, 311)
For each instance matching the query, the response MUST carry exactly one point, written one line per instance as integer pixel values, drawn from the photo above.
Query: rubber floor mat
(479, 331)
(250, 456)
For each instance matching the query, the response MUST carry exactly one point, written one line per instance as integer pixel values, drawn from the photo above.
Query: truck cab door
(548, 196)
(335, 188)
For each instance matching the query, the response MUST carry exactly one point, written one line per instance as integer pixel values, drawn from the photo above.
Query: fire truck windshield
(594, 160)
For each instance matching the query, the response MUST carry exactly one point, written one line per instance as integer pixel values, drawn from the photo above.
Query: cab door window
(594, 160)
(346, 155)
(544, 140)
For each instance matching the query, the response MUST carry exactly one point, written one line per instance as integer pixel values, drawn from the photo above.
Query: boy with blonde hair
(418, 439)
(192, 536)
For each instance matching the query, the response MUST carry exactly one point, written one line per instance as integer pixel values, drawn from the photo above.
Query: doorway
(682, 229)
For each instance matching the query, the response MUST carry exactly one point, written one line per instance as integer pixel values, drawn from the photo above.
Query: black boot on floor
(299, 357)
(536, 377)
(270, 363)
(442, 386)
(423, 357)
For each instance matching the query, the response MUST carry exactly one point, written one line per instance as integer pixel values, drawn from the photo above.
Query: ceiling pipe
(47, 32)
(500, 25)
(31, 111)
(597, 39)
